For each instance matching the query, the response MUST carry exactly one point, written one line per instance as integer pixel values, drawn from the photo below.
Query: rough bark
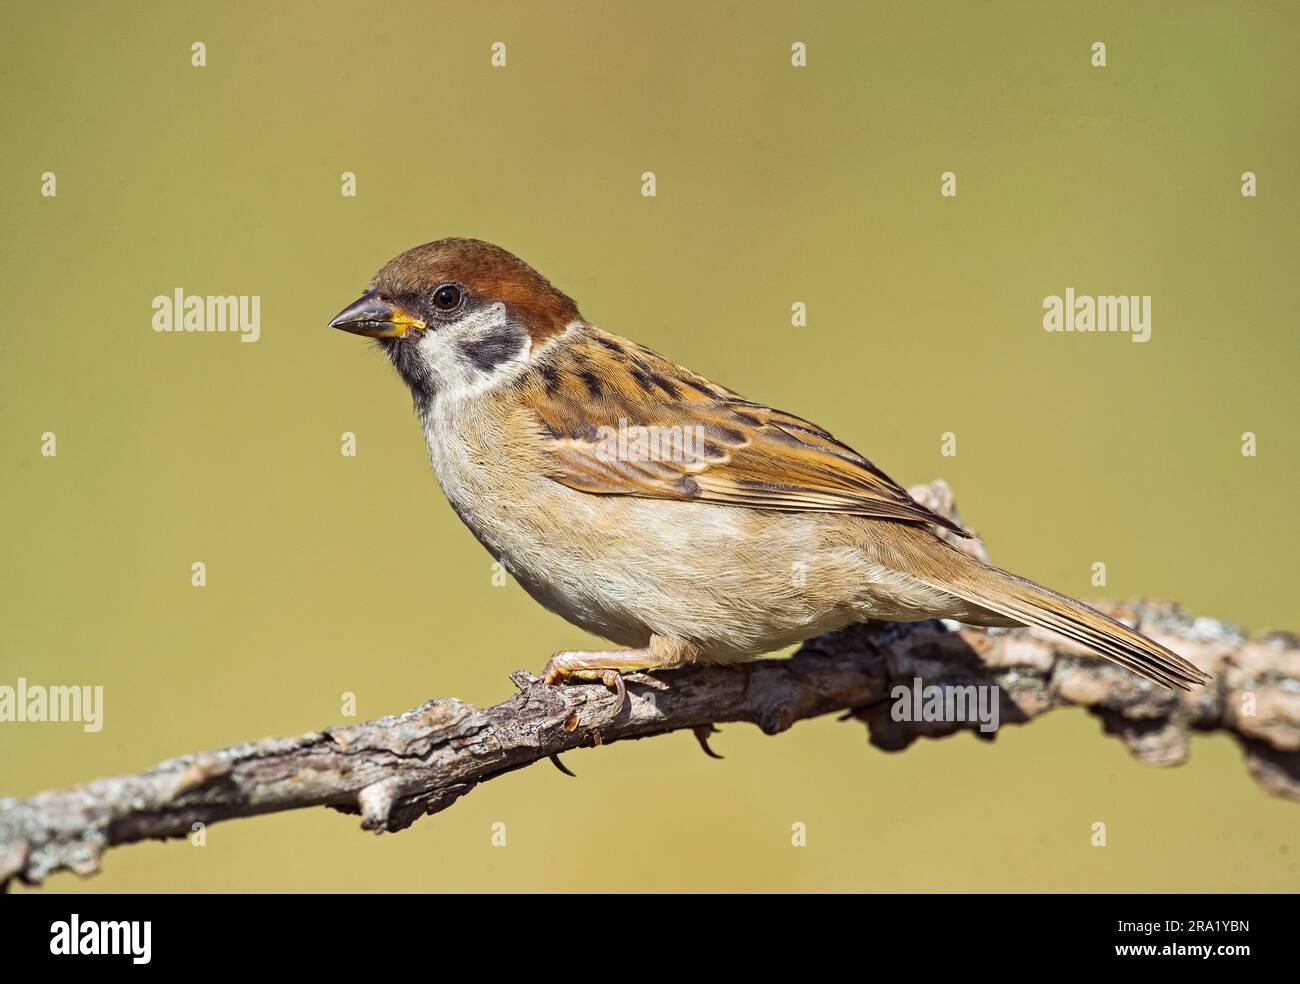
(394, 770)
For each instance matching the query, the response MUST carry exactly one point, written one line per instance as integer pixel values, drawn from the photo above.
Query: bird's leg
(609, 665)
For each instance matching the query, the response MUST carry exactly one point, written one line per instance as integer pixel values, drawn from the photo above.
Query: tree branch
(396, 769)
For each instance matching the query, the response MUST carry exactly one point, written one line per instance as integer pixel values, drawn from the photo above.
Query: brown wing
(617, 419)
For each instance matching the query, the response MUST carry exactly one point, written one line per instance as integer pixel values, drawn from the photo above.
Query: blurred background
(775, 185)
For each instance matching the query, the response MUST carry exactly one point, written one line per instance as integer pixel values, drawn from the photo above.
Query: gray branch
(393, 770)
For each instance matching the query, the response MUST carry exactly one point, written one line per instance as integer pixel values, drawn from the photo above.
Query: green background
(329, 574)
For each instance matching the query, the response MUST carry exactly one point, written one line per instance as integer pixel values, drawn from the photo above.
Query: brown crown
(488, 272)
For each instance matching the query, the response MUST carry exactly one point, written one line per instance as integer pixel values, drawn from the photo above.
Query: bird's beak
(374, 315)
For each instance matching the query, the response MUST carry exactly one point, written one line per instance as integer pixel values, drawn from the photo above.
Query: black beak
(374, 315)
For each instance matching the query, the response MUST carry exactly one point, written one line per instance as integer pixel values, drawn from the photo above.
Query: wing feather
(614, 418)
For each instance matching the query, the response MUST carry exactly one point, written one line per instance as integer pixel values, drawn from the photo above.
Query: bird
(664, 512)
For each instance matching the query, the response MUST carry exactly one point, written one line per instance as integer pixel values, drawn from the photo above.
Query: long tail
(1025, 602)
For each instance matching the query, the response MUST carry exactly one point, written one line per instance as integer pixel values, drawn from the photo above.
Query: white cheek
(454, 376)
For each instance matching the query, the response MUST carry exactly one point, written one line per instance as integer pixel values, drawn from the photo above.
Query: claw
(555, 761)
(702, 732)
(552, 673)
(612, 678)
(556, 674)
(748, 670)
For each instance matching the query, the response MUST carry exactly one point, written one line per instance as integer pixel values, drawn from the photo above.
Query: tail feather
(1024, 601)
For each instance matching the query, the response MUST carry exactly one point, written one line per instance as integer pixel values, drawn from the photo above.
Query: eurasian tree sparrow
(662, 511)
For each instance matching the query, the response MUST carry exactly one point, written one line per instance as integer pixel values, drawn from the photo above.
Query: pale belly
(625, 568)
(737, 582)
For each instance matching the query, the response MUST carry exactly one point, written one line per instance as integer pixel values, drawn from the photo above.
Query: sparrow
(660, 510)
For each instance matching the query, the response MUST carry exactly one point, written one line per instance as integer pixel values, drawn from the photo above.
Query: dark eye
(446, 297)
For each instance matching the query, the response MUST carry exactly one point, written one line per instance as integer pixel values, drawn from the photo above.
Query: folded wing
(617, 419)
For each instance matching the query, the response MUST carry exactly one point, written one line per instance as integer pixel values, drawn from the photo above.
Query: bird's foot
(603, 667)
(608, 666)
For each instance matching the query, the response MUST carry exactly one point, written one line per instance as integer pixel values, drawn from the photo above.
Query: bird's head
(457, 315)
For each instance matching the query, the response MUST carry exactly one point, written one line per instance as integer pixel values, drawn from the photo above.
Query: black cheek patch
(499, 345)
